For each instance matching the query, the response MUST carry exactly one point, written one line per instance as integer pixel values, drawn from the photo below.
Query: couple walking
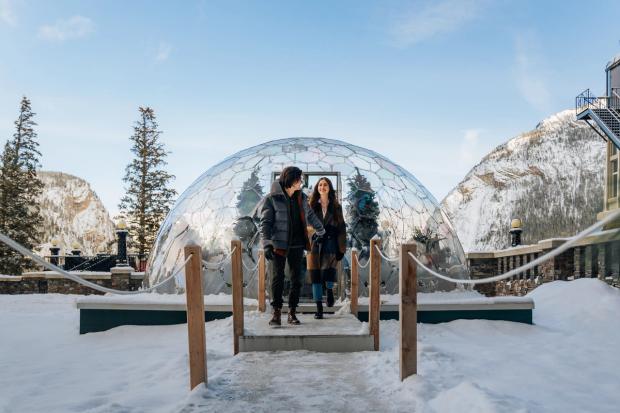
(285, 215)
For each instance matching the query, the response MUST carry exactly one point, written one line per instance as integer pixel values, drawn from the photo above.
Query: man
(283, 216)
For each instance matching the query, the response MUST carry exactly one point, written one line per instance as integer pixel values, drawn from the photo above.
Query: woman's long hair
(331, 195)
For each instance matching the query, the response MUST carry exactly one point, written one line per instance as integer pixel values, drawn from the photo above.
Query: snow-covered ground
(567, 362)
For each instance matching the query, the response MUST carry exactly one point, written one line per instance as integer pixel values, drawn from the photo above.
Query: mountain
(551, 177)
(72, 212)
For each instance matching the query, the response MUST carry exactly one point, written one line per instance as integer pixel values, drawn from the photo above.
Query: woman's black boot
(330, 297)
(319, 310)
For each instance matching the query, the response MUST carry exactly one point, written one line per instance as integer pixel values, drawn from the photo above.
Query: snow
(567, 361)
(448, 297)
(551, 177)
(156, 298)
(72, 212)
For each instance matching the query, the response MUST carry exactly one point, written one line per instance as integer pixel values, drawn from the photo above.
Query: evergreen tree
(250, 195)
(147, 197)
(246, 225)
(362, 210)
(19, 190)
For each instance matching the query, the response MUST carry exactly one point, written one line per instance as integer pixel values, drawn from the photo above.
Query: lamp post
(54, 251)
(516, 228)
(75, 249)
(121, 254)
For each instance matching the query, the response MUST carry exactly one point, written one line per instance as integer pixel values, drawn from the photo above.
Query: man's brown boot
(292, 318)
(276, 318)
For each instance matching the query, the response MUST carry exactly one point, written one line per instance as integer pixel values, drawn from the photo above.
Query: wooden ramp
(333, 334)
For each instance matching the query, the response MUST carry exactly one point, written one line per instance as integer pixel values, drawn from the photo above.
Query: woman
(324, 255)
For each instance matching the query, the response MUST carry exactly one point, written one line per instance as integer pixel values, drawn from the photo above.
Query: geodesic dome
(378, 198)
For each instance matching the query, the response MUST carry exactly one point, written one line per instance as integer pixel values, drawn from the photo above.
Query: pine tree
(19, 190)
(362, 210)
(250, 195)
(147, 197)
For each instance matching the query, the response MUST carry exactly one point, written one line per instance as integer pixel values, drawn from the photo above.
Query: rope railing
(551, 254)
(250, 269)
(210, 265)
(385, 257)
(359, 264)
(27, 253)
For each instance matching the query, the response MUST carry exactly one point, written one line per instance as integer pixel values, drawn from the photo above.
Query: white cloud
(163, 52)
(7, 14)
(71, 28)
(435, 18)
(470, 148)
(530, 72)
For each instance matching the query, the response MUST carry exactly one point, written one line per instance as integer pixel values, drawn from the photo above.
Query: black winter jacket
(275, 218)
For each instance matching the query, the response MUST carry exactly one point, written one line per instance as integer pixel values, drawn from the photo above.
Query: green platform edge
(96, 320)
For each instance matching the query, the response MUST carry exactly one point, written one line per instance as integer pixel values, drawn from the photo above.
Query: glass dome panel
(378, 198)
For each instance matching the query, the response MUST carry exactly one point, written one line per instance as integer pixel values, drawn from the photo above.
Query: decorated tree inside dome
(362, 210)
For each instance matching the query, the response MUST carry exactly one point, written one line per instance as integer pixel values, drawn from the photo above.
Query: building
(602, 113)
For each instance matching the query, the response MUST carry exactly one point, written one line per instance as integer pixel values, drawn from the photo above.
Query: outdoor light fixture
(515, 232)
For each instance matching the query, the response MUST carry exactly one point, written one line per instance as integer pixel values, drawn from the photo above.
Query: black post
(121, 255)
(54, 251)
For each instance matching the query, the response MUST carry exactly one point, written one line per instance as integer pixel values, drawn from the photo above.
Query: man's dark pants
(294, 257)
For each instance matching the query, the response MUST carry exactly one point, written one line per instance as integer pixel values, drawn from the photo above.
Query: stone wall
(597, 256)
(52, 282)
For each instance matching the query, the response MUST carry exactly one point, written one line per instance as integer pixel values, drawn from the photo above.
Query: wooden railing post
(237, 292)
(374, 309)
(408, 312)
(261, 281)
(195, 317)
(355, 281)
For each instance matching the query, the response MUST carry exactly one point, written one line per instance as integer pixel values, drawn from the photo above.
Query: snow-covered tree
(148, 197)
(251, 193)
(19, 188)
(362, 210)
(246, 225)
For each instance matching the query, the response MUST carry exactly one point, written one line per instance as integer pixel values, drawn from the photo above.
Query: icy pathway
(568, 362)
(288, 382)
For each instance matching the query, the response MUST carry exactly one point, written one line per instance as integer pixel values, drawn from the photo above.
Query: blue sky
(432, 85)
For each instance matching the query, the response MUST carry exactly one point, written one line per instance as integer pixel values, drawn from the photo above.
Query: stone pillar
(483, 265)
(579, 262)
(565, 264)
(591, 261)
(615, 260)
(604, 264)
(525, 259)
(121, 277)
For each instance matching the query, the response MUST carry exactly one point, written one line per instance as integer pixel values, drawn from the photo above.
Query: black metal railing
(586, 100)
(98, 263)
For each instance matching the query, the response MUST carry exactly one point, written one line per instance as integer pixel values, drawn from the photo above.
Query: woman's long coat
(322, 259)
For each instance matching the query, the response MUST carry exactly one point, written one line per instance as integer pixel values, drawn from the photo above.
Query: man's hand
(269, 252)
